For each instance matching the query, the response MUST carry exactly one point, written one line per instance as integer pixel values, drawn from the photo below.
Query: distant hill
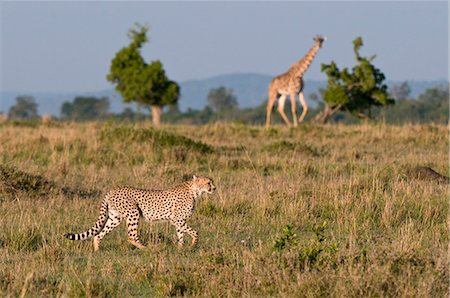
(250, 90)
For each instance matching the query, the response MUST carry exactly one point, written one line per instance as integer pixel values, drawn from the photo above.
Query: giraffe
(290, 84)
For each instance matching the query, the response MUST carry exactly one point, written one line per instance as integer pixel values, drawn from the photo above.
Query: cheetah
(175, 205)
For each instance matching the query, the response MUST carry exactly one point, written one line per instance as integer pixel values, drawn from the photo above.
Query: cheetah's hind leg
(111, 223)
(132, 226)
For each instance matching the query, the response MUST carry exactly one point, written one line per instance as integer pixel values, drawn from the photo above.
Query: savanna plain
(319, 210)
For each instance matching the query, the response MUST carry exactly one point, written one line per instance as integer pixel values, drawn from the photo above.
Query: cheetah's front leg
(193, 234)
(182, 228)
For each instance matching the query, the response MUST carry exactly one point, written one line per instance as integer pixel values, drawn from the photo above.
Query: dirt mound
(427, 174)
(13, 180)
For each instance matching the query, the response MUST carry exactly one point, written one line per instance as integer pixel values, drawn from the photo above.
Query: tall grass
(314, 211)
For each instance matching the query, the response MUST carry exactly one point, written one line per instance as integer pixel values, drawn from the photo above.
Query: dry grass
(313, 211)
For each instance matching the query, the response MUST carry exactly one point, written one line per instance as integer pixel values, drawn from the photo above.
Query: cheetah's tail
(98, 226)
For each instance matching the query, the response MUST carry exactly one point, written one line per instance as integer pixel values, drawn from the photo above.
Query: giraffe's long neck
(300, 67)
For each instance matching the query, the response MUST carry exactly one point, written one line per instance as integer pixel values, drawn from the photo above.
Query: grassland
(314, 211)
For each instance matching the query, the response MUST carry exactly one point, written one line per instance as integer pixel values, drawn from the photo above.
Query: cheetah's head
(203, 184)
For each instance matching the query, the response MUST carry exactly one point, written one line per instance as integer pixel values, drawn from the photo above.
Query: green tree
(222, 99)
(435, 104)
(356, 91)
(135, 80)
(24, 109)
(400, 91)
(430, 106)
(85, 108)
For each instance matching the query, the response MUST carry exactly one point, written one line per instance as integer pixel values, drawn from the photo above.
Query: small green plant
(318, 247)
(307, 254)
(319, 231)
(288, 239)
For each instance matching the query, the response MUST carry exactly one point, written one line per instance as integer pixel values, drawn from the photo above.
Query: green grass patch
(313, 211)
(158, 138)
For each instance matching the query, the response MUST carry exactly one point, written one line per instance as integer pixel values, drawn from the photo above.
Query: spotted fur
(174, 205)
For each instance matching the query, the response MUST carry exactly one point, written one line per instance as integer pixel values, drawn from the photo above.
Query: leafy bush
(287, 239)
(306, 254)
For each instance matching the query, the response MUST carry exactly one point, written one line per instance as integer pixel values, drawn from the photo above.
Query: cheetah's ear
(194, 177)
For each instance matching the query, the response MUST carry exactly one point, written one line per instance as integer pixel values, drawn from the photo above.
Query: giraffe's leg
(132, 225)
(281, 102)
(113, 221)
(294, 109)
(271, 101)
(304, 105)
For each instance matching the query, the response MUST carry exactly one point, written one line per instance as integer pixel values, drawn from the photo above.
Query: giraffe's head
(319, 39)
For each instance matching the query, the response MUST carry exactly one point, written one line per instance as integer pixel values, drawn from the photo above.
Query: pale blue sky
(67, 46)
